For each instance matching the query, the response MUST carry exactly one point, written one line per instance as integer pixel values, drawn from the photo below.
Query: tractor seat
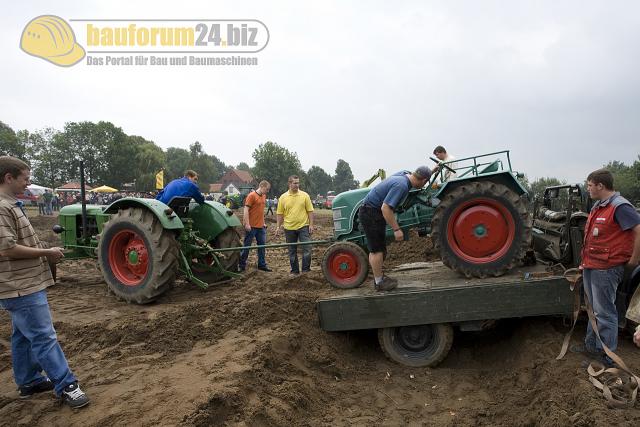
(180, 205)
(491, 167)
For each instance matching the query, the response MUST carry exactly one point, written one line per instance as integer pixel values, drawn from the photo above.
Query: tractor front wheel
(481, 229)
(345, 265)
(137, 256)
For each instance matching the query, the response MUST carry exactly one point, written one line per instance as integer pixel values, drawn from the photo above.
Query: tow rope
(619, 386)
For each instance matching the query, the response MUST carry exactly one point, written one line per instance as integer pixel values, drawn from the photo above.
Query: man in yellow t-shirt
(296, 212)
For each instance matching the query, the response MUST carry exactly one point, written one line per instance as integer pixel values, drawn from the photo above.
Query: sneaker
(265, 268)
(74, 397)
(387, 284)
(29, 390)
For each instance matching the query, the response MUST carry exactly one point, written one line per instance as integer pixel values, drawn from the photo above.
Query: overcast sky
(377, 83)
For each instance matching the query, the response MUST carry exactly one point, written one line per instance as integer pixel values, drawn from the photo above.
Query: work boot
(582, 349)
(29, 390)
(74, 397)
(387, 284)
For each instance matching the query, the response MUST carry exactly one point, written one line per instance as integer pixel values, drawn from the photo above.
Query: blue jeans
(261, 236)
(34, 344)
(600, 287)
(299, 235)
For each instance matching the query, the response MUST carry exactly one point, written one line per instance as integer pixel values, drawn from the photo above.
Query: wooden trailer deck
(431, 293)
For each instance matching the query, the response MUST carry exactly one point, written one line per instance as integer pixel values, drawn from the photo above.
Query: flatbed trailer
(415, 321)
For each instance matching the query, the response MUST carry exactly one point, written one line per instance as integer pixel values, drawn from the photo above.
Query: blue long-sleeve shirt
(181, 187)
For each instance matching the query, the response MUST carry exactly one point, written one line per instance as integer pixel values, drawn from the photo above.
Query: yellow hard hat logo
(50, 37)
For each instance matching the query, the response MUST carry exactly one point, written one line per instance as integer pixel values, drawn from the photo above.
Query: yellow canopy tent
(104, 189)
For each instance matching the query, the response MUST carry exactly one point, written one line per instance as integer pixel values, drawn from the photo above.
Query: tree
(149, 160)
(242, 166)
(626, 179)
(275, 164)
(319, 182)
(178, 160)
(536, 188)
(343, 179)
(46, 156)
(9, 143)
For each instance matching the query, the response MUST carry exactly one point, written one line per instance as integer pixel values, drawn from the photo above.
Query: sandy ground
(250, 352)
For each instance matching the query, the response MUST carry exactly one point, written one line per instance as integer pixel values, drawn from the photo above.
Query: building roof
(73, 186)
(237, 176)
(215, 188)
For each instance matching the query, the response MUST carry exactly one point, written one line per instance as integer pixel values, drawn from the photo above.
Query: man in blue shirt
(187, 186)
(378, 210)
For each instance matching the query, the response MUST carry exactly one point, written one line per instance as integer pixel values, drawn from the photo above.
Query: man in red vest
(611, 241)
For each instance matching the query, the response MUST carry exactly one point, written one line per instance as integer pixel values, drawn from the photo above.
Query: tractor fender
(503, 177)
(212, 218)
(155, 206)
(633, 311)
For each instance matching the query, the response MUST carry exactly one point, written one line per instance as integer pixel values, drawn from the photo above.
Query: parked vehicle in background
(329, 203)
(28, 198)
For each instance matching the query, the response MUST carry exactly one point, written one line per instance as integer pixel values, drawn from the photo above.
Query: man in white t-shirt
(442, 155)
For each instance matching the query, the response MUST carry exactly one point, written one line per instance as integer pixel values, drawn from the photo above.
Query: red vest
(606, 245)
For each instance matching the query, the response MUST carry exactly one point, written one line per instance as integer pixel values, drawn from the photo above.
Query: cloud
(378, 84)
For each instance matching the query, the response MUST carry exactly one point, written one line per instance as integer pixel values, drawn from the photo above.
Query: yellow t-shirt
(294, 208)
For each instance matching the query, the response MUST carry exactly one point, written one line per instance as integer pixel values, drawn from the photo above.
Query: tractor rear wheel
(137, 256)
(345, 265)
(417, 345)
(229, 238)
(481, 229)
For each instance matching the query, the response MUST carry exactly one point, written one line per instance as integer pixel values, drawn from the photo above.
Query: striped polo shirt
(19, 277)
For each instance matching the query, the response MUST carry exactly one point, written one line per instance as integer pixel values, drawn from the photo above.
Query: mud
(250, 352)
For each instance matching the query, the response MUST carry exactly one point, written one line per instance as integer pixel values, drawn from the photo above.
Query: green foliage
(243, 167)
(275, 164)
(626, 179)
(178, 160)
(536, 188)
(343, 179)
(9, 143)
(319, 182)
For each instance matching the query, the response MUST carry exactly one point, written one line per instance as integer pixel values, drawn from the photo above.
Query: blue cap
(423, 172)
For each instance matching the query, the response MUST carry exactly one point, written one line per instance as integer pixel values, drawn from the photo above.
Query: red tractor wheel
(481, 229)
(345, 265)
(137, 256)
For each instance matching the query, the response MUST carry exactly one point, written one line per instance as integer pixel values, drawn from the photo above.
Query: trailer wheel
(345, 265)
(482, 229)
(229, 238)
(417, 345)
(137, 256)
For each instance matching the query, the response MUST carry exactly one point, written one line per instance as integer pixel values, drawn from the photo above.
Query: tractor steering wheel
(439, 162)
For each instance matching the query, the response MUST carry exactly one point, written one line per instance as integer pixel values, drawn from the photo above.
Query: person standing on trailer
(378, 211)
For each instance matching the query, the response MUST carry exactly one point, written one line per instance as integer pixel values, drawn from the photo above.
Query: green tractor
(142, 245)
(478, 221)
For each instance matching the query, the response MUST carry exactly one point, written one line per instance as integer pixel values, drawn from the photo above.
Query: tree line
(626, 180)
(113, 158)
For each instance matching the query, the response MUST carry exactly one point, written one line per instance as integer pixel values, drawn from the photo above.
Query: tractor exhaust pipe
(84, 202)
